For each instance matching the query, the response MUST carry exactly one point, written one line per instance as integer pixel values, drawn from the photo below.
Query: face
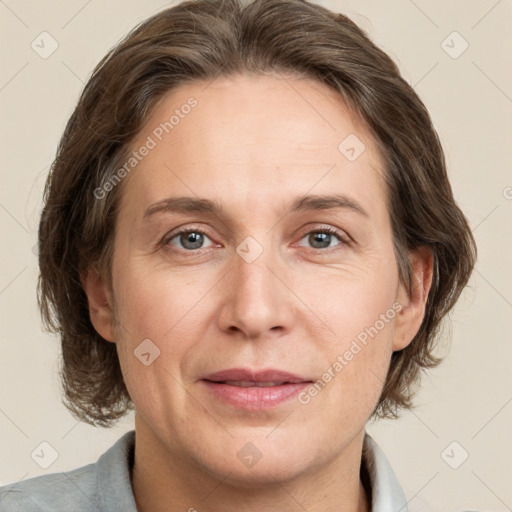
(281, 259)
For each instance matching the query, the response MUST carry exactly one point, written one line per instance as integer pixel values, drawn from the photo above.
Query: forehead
(251, 138)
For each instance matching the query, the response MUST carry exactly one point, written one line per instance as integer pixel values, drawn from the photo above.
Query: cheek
(360, 313)
(154, 304)
(349, 387)
(158, 313)
(351, 301)
(155, 334)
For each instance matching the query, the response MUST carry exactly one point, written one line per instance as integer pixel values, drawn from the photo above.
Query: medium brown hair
(203, 40)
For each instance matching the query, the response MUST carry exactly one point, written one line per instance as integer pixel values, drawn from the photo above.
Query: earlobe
(410, 317)
(100, 308)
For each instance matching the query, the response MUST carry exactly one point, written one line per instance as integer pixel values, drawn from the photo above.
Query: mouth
(254, 390)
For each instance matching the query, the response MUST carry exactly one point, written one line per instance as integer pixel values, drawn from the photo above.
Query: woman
(249, 238)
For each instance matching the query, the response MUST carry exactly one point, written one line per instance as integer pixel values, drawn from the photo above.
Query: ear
(408, 320)
(100, 303)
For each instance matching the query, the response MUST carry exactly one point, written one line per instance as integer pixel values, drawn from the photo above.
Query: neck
(164, 480)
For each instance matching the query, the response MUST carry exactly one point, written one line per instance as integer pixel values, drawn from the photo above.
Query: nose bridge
(256, 300)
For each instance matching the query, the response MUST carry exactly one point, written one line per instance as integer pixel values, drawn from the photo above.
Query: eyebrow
(300, 204)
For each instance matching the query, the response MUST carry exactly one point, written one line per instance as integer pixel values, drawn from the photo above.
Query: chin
(262, 474)
(256, 463)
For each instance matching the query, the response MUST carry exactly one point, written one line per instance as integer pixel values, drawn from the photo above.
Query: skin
(254, 143)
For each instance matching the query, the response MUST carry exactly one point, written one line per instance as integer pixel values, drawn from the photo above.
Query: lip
(255, 398)
(267, 375)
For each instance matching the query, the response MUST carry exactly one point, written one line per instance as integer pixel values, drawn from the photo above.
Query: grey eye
(189, 240)
(321, 239)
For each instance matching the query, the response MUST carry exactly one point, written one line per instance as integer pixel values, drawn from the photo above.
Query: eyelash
(344, 239)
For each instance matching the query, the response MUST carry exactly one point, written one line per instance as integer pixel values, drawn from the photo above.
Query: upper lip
(246, 374)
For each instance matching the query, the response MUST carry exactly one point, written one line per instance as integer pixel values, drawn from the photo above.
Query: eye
(323, 238)
(192, 239)
(187, 239)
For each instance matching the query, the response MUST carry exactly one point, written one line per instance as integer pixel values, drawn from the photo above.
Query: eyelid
(343, 235)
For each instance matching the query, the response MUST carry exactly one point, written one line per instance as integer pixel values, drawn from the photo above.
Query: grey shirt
(105, 486)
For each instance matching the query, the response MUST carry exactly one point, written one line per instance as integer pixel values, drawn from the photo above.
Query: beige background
(467, 400)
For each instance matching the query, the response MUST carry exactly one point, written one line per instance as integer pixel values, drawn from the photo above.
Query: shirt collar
(387, 494)
(115, 488)
(114, 475)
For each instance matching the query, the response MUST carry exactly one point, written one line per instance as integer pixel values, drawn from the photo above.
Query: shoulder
(70, 490)
(103, 485)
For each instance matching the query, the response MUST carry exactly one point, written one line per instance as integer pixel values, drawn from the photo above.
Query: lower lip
(254, 398)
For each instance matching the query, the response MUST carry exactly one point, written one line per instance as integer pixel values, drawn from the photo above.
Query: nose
(257, 301)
